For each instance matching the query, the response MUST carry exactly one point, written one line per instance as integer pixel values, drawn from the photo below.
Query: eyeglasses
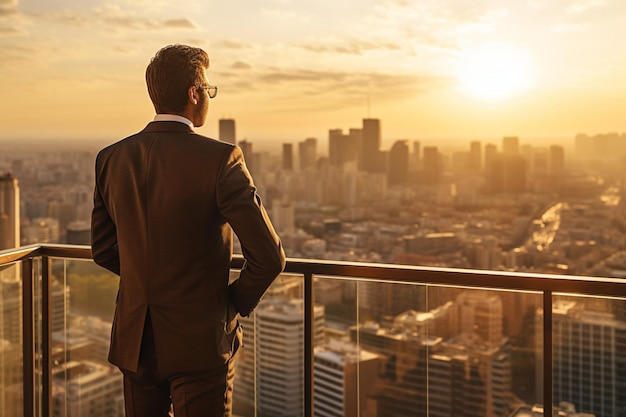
(211, 89)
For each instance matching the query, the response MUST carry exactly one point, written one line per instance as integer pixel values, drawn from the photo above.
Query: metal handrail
(545, 284)
(501, 280)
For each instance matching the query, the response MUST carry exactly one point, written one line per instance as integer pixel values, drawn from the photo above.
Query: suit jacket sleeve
(103, 234)
(242, 208)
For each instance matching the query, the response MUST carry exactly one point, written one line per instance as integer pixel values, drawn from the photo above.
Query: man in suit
(166, 202)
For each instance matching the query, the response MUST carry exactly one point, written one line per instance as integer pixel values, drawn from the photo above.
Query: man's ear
(192, 95)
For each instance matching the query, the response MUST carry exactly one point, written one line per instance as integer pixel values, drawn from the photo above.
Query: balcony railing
(34, 268)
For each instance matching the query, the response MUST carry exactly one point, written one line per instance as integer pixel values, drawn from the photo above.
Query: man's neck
(166, 117)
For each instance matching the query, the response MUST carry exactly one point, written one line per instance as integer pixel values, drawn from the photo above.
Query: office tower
(507, 174)
(510, 145)
(475, 157)
(78, 233)
(539, 162)
(272, 356)
(491, 152)
(469, 379)
(41, 230)
(11, 379)
(369, 156)
(557, 160)
(246, 148)
(9, 212)
(287, 157)
(10, 305)
(335, 139)
(227, 131)
(416, 157)
(279, 328)
(87, 389)
(583, 145)
(398, 168)
(589, 357)
(432, 166)
(283, 216)
(344, 377)
(481, 311)
(307, 152)
(432, 367)
(343, 148)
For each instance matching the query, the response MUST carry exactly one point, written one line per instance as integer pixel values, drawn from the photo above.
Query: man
(166, 202)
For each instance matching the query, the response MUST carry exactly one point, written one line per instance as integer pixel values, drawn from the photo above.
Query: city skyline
(287, 71)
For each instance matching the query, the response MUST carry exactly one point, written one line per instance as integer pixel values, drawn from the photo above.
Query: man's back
(170, 194)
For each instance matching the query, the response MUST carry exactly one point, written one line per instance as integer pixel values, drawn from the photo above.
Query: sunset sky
(292, 69)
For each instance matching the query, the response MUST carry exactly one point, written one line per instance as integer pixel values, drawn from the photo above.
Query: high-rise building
(307, 153)
(287, 157)
(557, 160)
(246, 148)
(227, 131)
(507, 174)
(87, 389)
(398, 167)
(279, 327)
(343, 148)
(430, 361)
(432, 166)
(416, 156)
(481, 311)
(475, 157)
(369, 156)
(273, 352)
(344, 377)
(510, 145)
(9, 212)
(589, 357)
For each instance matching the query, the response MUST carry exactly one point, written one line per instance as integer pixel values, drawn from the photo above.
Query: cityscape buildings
(226, 131)
(530, 207)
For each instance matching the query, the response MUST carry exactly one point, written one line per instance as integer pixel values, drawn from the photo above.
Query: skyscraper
(276, 347)
(227, 131)
(589, 358)
(343, 148)
(287, 157)
(9, 212)
(475, 157)
(342, 371)
(369, 158)
(307, 153)
(398, 169)
(510, 145)
(432, 165)
(557, 160)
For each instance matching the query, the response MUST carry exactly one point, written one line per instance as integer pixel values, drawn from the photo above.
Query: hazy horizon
(288, 70)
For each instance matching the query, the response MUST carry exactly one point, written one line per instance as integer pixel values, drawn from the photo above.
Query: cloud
(342, 85)
(112, 16)
(351, 47)
(8, 7)
(232, 44)
(241, 65)
(583, 6)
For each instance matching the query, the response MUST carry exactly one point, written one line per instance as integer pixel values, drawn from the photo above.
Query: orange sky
(288, 69)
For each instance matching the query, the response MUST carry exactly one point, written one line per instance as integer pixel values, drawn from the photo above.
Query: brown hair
(171, 72)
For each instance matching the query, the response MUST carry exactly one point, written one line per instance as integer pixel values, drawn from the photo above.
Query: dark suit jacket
(164, 203)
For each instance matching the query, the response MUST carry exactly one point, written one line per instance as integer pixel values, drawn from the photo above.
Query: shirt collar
(172, 118)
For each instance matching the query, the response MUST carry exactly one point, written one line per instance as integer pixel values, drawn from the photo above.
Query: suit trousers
(147, 393)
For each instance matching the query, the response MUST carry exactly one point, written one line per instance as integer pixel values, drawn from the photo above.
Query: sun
(494, 72)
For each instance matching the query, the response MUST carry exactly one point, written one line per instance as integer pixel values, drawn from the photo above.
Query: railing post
(28, 337)
(46, 335)
(309, 342)
(547, 354)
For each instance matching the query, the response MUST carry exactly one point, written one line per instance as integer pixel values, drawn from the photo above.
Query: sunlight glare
(495, 71)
